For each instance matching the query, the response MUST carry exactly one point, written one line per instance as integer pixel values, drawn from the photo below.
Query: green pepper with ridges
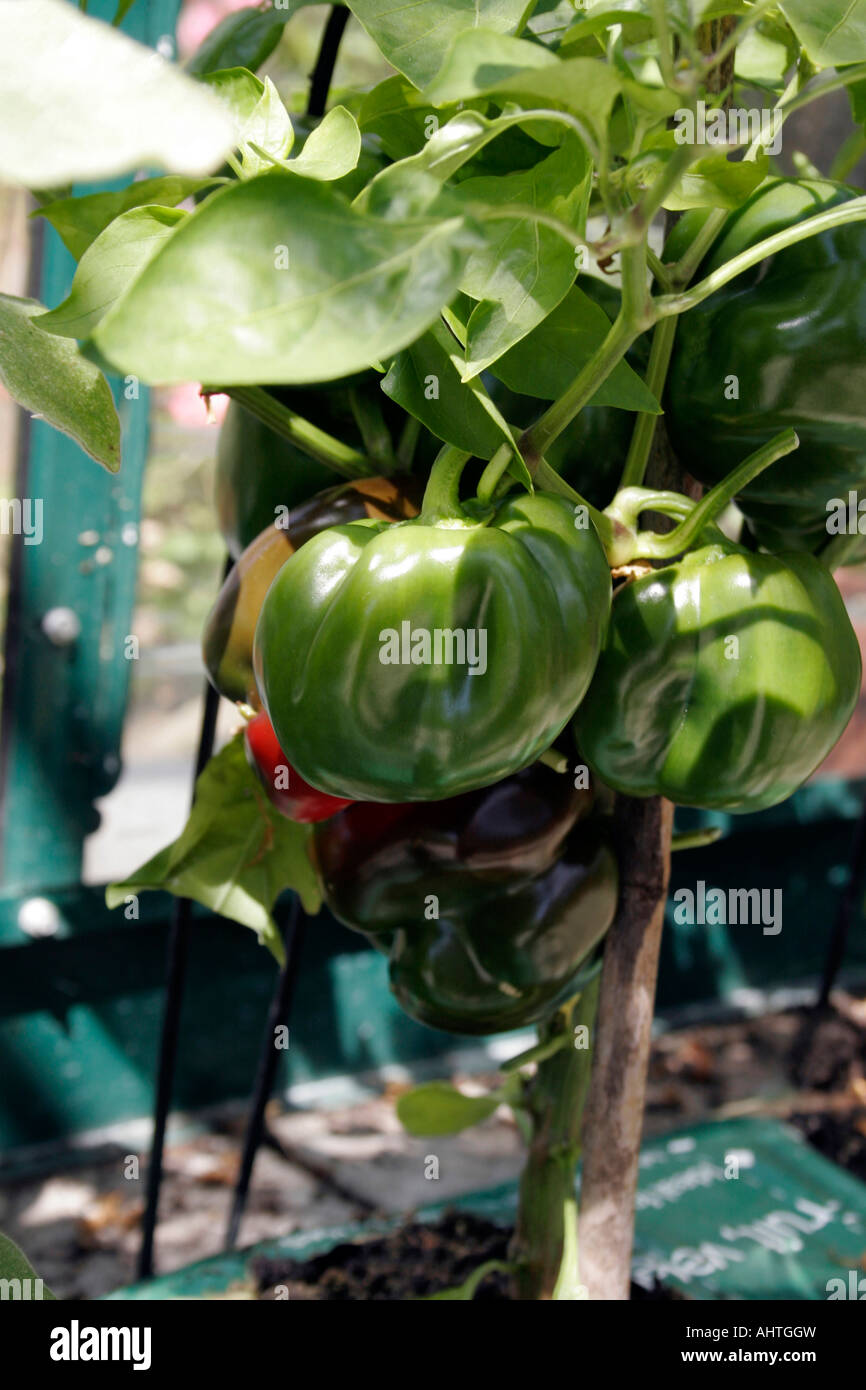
(448, 651)
(726, 678)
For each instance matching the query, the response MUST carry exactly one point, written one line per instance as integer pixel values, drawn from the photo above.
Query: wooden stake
(613, 1119)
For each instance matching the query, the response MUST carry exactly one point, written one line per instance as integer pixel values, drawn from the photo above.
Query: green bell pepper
(417, 661)
(783, 344)
(725, 680)
(487, 905)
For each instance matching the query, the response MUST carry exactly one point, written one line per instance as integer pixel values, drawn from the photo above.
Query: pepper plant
(465, 298)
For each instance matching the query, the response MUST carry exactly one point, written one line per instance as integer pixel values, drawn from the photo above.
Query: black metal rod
(320, 79)
(848, 907)
(176, 961)
(266, 1069)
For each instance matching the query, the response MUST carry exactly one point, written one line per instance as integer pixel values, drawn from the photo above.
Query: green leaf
(426, 380)
(415, 38)
(78, 221)
(714, 181)
(49, 377)
(15, 1265)
(243, 39)
(82, 101)
(833, 32)
(259, 117)
(396, 112)
(546, 362)
(587, 87)
(330, 151)
(439, 1108)
(236, 853)
(108, 267)
(765, 54)
(524, 269)
(478, 60)
(448, 149)
(550, 21)
(594, 20)
(319, 291)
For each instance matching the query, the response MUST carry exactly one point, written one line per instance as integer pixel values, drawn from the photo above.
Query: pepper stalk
(544, 1248)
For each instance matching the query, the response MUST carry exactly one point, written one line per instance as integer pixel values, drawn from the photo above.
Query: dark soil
(414, 1261)
(840, 1136)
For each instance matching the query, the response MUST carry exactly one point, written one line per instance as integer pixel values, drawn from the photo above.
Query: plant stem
(683, 270)
(535, 441)
(852, 211)
(492, 474)
(849, 155)
(645, 425)
(442, 494)
(653, 547)
(322, 447)
(407, 441)
(544, 1248)
(696, 839)
(373, 430)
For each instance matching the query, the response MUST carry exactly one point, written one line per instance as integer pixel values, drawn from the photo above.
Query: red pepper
(285, 787)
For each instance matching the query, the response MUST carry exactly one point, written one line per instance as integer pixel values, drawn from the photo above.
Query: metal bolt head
(62, 626)
(39, 917)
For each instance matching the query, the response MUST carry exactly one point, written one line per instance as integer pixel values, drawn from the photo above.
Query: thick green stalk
(544, 1249)
(373, 430)
(645, 425)
(852, 211)
(625, 510)
(322, 447)
(442, 493)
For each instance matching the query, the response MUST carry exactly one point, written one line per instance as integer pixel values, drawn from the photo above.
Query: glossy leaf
(79, 221)
(319, 291)
(331, 150)
(448, 149)
(479, 59)
(108, 267)
(415, 38)
(587, 87)
(425, 379)
(81, 101)
(524, 268)
(439, 1108)
(833, 32)
(396, 112)
(235, 855)
(49, 377)
(546, 362)
(593, 20)
(550, 21)
(259, 117)
(714, 181)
